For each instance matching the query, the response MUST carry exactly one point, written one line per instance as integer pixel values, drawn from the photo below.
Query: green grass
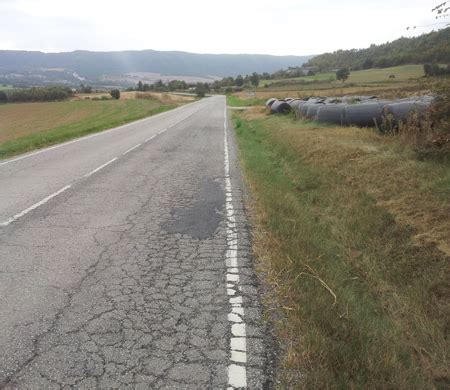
(361, 303)
(401, 73)
(234, 101)
(75, 118)
(317, 77)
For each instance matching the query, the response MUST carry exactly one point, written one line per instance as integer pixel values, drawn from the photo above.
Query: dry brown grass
(370, 161)
(27, 126)
(22, 119)
(352, 233)
(162, 97)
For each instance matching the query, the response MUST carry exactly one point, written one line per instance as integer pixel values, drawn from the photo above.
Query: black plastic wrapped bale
(302, 109)
(296, 107)
(312, 111)
(331, 113)
(295, 102)
(363, 115)
(270, 102)
(315, 100)
(401, 111)
(280, 107)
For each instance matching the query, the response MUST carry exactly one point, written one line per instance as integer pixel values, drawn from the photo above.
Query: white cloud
(234, 26)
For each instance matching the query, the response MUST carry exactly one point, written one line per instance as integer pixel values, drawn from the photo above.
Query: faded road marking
(131, 149)
(237, 371)
(103, 132)
(35, 206)
(45, 200)
(100, 167)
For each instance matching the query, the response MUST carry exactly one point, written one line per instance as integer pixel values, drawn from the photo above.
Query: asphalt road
(124, 261)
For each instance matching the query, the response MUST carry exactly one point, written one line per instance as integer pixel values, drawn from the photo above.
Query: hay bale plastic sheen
(270, 102)
(302, 110)
(331, 113)
(280, 107)
(312, 111)
(402, 110)
(296, 108)
(295, 103)
(363, 115)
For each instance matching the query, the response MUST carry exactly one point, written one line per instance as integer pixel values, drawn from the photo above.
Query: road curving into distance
(124, 260)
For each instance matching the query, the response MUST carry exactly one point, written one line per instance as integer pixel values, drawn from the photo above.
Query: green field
(351, 231)
(28, 126)
(317, 77)
(401, 73)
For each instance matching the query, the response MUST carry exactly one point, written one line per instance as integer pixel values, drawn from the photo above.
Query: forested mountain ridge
(432, 47)
(97, 66)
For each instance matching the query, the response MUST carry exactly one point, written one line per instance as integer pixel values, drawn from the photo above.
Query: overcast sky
(206, 26)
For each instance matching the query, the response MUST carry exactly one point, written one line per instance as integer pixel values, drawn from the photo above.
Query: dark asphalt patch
(202, 218)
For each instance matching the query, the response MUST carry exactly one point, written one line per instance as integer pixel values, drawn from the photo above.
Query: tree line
(428, 48)
(35, 94)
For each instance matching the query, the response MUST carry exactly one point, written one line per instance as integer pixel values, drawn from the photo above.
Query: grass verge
(235, 101)
(29, 126)
(352, 234)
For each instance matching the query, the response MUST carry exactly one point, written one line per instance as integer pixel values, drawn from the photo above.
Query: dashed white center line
(100, 167)
(45, 200)
(35, 206)
(131, 149)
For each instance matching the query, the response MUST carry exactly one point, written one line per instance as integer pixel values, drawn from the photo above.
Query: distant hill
(431, 47)
(125, 67)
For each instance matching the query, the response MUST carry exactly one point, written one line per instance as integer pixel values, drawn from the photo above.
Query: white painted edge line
(237, 370)
(100, 133)
(131, 149)
(35, 206)
(100, 167)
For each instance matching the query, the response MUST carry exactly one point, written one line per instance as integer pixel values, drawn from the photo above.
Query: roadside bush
(435, 70)
(44, 94)
(428, 135)
(85, 88)
(115, 94)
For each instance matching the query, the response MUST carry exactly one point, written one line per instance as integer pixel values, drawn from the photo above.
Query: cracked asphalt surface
(120, 281)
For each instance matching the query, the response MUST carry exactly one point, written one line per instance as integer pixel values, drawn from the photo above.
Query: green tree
(342, 74)
(227, 82)
(140, 86)
(239, 81)
(200, 90)
(159, 86)
(85, 88)
(115, 93)
(216, 86)
(254, 79)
